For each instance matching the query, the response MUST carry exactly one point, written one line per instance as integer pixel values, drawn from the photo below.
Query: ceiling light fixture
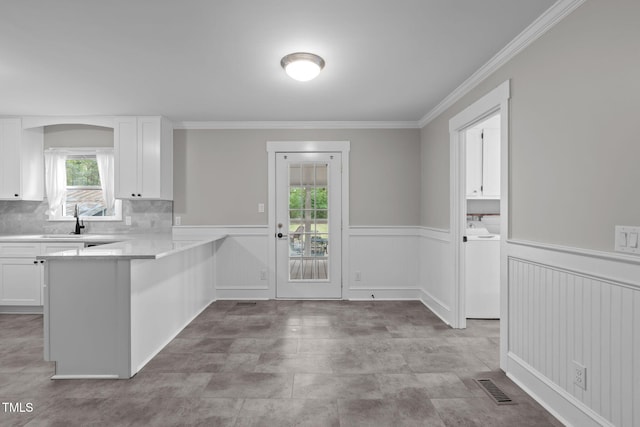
(302, 66)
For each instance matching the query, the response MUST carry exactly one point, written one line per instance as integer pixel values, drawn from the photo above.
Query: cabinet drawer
(19, 250)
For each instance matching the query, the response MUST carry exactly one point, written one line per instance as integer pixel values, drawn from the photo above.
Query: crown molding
(540, 26)
(230, 125)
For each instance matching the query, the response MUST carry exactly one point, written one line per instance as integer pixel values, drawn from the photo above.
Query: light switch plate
(626, 239)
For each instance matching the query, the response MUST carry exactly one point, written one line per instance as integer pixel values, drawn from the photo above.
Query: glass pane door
(308, 209)
(308, 221)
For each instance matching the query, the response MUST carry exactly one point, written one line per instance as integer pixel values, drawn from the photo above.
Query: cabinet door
(20, 282)
(10, 137)
(149, 155)
(474, 162)
(491, 163)
(125, 142)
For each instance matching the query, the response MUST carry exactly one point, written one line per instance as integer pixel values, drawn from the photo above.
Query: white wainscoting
(436, 274)
(570, 305)
(386, 259)
(242, 270)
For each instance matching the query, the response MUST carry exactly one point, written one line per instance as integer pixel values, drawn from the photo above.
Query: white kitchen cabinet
(21, 161)
(491, 163)
(143, 158)
(20, 282)
(483, 163)
(474, 163)
(21, 275)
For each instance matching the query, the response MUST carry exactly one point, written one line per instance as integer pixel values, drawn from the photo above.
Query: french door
(308, 225)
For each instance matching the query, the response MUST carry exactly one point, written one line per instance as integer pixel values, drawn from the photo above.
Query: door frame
(273, 147)
(496, 101)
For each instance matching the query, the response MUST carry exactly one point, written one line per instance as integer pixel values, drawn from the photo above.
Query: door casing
(496, 101)
(274, 147)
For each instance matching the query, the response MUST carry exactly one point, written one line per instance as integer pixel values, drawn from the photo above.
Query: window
(81, 179)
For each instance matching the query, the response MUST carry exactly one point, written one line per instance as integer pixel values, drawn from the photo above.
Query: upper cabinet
(143, 158)
(21, 161)
(483, 163)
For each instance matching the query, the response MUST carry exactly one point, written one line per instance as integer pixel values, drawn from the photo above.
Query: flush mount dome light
(302, 66)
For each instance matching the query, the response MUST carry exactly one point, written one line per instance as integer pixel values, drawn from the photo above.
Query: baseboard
(243, 294)
(21, 309)
(365, 294)
(558, 402)
(436, 306)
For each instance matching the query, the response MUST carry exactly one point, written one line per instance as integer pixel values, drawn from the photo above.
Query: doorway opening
(461, 133)
(482, 247)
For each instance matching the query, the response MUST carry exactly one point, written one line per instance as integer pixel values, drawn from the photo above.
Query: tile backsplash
(147, 216)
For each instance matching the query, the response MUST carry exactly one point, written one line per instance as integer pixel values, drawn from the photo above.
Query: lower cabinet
(21, 275)
(20, 281)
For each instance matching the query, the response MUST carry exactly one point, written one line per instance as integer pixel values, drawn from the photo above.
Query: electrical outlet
(263, 274)
(358, 276)
(579, 375)
(127, 220)
(178, 220)
(260, 207)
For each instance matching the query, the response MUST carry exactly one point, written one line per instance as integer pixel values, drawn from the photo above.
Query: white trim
(540, 26)
(184, 231)
(242, 294)
(382, 294)
(274, 147)
(620, 270)
(21, 309)
(496, 101)
(435, 234)
(611, 256)
(383, 231)
(85, 377)
(231, 125)
(435, 306)
(35, 121)
(309, 146)
(561, 404)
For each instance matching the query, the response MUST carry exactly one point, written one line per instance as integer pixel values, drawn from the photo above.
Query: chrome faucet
(79, 226)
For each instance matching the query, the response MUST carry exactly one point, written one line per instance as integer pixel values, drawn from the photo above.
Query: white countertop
(68, 238)
(131, 249)
(115, 246)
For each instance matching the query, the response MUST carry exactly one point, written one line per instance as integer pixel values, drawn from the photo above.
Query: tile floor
(280, 363)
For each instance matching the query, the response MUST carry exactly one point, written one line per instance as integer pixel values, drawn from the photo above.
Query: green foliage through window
(83, 187)
(82, 173)
(314, 199)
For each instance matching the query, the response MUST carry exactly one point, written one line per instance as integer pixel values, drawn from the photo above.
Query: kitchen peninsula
(110, 309)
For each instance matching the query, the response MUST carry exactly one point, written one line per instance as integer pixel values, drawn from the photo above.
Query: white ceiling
(219, 60)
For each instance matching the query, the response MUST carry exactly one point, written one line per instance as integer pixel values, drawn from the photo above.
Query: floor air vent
(245, 303)
(494, 392)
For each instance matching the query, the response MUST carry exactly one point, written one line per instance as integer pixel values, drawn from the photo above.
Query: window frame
(117, 207)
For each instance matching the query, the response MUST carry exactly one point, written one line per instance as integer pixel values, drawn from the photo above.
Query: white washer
(482, 276)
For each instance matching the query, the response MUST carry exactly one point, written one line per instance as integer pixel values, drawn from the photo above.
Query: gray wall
(220, 176)
(573, 132)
